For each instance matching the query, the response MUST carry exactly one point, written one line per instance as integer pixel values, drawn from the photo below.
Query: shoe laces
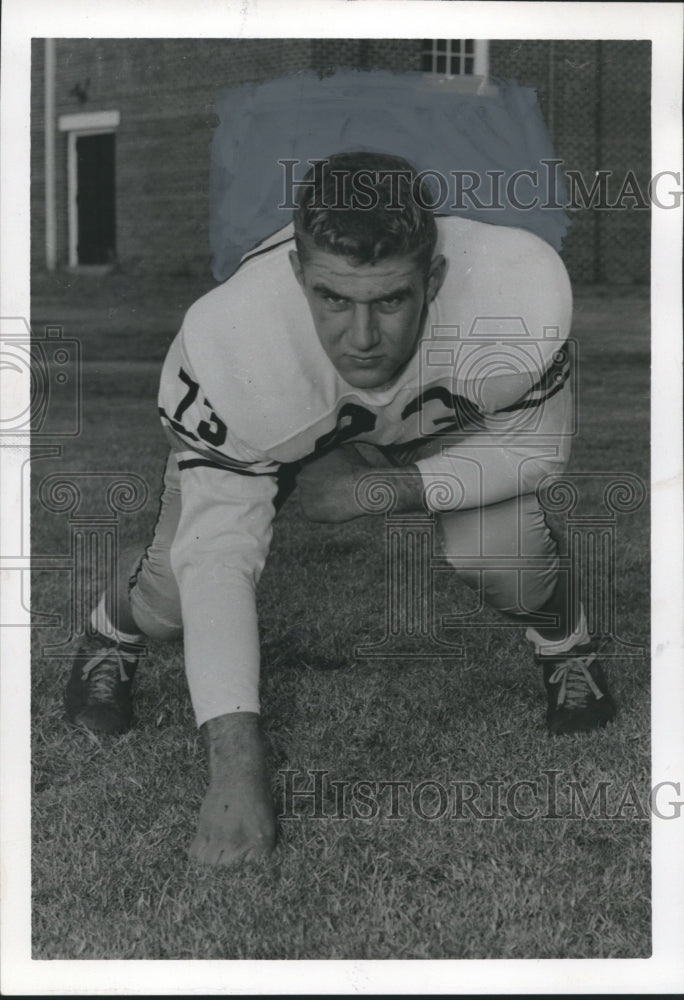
(105, 669)
(574, 678)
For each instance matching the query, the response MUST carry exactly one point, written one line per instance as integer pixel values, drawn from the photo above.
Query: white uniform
(250, 347)
(247, 390)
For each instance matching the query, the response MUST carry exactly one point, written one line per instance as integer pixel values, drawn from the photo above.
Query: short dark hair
(362, 206)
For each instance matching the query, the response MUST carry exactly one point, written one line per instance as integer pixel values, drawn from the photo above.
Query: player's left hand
(327, 486)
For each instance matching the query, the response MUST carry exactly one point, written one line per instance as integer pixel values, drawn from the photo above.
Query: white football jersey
(247, 386)
(247, 389)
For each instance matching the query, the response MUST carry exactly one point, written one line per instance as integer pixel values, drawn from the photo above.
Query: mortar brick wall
(164, 90)
(593, 95)
(397, 55)
(564, 77)
(595, 98)
(37, 180)
(623, 252)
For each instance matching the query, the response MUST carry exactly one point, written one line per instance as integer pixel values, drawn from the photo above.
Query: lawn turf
(113, 817)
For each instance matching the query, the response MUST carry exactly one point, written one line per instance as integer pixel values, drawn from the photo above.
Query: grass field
(113, 818)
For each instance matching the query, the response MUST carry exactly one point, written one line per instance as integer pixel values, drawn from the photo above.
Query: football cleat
(577, 693)
(98, 693)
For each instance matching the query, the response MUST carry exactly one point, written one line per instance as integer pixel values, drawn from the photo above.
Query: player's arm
(217, 556)
(330, 487)
(221, 542)
(497, 392)
(501, 360)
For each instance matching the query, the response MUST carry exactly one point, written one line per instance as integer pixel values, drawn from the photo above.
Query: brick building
(136, 192)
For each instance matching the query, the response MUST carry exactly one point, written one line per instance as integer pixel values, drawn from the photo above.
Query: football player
(366, 334)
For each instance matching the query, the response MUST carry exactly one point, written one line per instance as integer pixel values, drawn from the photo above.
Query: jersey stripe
(192, 463)
(175, 426)
(259, 253)
(176, 433)
(551, 382)
(527, 404)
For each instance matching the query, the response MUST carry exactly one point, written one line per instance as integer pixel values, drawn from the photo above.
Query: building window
(455, 56)
(91, 186)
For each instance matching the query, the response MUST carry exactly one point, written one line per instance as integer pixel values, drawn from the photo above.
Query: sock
(546, 647)
(100, 621)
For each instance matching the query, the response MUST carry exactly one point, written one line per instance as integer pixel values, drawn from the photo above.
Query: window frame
(454, 48)
(85, 123)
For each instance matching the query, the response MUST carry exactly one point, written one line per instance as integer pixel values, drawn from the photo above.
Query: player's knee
(154, 598)
(514, 591)
(160, 621)
(160, 631)
(537, 588)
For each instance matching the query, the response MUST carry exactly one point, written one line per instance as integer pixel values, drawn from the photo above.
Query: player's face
(367, 316)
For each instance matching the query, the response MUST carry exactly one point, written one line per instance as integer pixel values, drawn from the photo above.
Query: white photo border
(662, 24)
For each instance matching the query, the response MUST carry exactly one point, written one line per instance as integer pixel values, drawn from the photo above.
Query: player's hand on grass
(327, 486)
(237, 819)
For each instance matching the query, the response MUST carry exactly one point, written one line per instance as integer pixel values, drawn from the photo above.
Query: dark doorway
(96, 199)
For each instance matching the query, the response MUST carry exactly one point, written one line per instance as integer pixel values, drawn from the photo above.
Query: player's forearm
(341, 486)
(221, 639)
(403, 487)
(217, 556)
